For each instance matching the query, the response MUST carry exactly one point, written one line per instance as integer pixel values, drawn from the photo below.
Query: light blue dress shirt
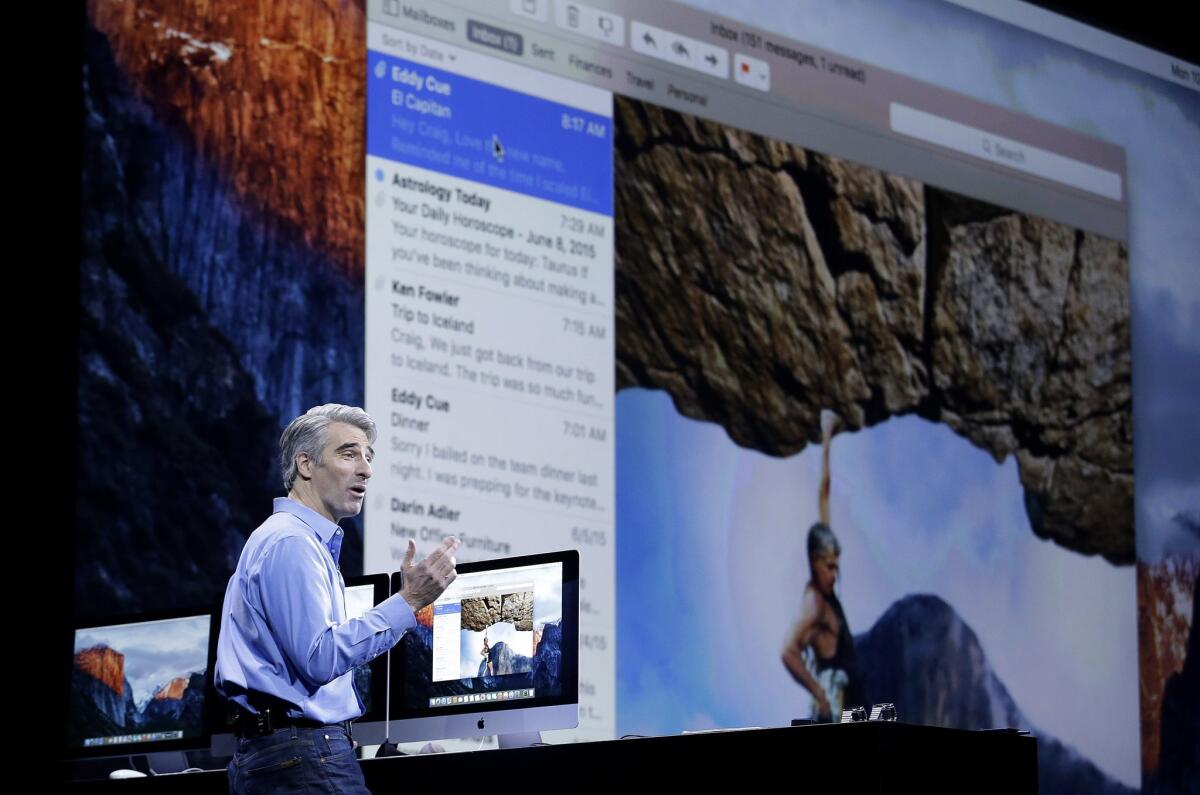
(284, 629)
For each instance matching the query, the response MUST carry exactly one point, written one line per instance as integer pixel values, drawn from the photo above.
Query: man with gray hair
(287, 652)
(819, 652)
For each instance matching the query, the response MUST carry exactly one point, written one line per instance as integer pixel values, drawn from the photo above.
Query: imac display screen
(139, 683)
(497, 637)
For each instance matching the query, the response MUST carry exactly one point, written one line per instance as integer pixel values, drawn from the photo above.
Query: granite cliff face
(873, 296)
(178, 704)
(213, 308)
(1167, 660)
(183, 187)
(504, 661)
(105, 665)
(101, 694)
(269, 94)
(921, 656)
(96, 709)
(1178, 769)
(547, 657)
(172, 690)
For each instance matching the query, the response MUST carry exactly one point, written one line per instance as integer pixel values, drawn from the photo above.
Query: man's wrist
(399, 612)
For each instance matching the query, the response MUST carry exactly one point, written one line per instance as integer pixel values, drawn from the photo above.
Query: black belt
(271, 714)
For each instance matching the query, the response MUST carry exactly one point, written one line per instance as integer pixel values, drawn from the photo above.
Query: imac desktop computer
(142, 686)
(495, 654)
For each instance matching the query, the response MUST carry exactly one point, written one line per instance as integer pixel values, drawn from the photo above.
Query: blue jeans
(293, 759)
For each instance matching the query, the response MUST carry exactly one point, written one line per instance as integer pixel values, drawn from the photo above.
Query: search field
(1004, 151)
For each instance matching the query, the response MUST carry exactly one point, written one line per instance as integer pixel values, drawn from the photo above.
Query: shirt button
(337, 532)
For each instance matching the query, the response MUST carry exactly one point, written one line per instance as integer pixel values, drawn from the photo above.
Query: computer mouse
(126, 773)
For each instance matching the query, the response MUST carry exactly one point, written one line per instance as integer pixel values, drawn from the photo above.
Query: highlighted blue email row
(468, 128)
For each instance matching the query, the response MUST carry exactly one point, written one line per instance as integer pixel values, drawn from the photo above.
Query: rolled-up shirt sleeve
(298, 601)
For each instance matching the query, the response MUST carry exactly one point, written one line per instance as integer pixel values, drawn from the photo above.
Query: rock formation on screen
(759, 282)
(515, 608)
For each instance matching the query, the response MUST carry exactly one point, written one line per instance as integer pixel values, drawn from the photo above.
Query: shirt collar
(330, 534)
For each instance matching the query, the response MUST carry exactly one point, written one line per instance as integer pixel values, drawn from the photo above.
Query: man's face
(825, 572)
(340, 480)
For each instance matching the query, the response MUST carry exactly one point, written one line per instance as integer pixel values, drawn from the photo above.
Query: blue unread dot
(379, 175)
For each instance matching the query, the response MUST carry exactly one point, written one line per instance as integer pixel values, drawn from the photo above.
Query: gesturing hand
(426, 581)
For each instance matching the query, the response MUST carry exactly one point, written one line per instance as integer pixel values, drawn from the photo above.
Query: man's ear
(304, 465)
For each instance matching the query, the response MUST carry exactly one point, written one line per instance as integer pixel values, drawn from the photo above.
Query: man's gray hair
(309, 432)
(822, 541)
